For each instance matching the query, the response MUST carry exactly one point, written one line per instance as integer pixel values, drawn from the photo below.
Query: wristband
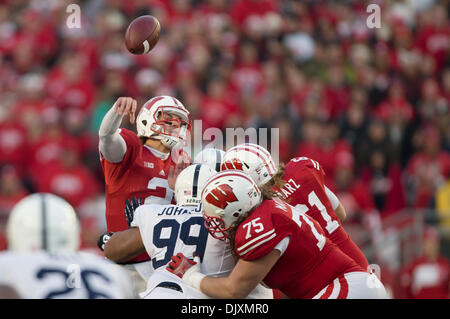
(194, 279)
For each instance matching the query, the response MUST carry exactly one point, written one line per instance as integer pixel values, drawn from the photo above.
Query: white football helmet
(190, 182)
(43, 221)
(211, 157)
(152, 119)
(253, 159)
(226, 196)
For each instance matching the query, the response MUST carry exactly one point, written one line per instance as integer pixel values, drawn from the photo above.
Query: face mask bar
(178, 127)
(216, 227)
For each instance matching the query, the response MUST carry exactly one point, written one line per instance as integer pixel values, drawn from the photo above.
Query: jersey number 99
(181, 232)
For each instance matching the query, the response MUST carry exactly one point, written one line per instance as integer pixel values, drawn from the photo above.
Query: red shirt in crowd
(46, 152)
(13, 141)
(390, 109)
(425, 279)
(78, 95)
(392, 183)
(74, 184)
(427, 172)
(244, 9)
(215, 111)
(435, 42)
(326, 156)
(356, 198)
(248, 79)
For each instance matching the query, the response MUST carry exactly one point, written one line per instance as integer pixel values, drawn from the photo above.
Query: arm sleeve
(112, 146)
(332, 197)
(283, 245)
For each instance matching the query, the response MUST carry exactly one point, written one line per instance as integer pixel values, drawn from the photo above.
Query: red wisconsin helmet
(159, 112)
(253, 159)
(225, 197)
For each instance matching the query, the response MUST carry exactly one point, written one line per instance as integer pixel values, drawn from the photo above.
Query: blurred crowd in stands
(371, 105)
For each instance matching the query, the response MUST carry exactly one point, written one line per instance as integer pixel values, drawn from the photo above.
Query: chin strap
(170, 142)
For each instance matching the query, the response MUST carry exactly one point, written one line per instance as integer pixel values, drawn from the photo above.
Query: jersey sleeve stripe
(344, 288)
(325, 292)
(257, 244)
(336, 290)
(256, 239)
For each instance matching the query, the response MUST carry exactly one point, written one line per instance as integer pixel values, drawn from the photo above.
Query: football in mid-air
(142, 34)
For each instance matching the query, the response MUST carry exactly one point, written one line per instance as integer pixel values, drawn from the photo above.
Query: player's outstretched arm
(124, 245)
(111, 144)
(340, 212)
(336, 204)
(246, 275)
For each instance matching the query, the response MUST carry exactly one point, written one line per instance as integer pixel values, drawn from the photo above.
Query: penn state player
(141, 165)
(211, 157)
(164, 229)
(42, 259)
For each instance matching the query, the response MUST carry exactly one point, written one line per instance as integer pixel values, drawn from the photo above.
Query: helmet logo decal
(221, 196)
(176, 102)
(232, 164)
(153, 101)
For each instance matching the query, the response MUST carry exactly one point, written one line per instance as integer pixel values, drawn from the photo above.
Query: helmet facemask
(226, 198)
(216, 227)
(171, 126)
(164, 118)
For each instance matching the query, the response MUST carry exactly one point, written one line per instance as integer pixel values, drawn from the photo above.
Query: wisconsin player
(301, 184)
(42, 259)
(276, 244)
(164, 229)
(139, 165)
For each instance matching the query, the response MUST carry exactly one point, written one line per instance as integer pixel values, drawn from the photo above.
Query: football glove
(130, 207)
(103, 239)
(187, 269)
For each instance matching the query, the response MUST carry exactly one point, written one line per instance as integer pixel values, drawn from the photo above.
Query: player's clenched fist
(180, 264)
(126, 105)
(187, 269)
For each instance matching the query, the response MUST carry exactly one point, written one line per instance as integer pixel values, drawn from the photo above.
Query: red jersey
(309, 263)
(426, 279)
(306, 191)
(75, 184)
(141, 174)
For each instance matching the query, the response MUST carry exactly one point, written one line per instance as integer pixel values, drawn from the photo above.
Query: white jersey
(167, 230)
(81, 275)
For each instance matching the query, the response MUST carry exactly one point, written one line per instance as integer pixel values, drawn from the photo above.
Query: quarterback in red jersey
(138, 166)
(275, 243)
(301, 184)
